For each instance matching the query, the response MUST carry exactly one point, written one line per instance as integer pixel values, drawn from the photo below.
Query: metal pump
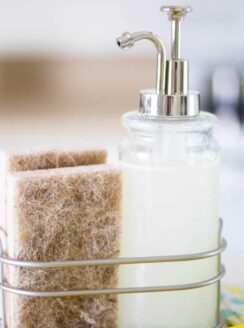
(171, 97)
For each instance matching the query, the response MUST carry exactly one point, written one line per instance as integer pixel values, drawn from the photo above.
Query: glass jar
(170, 172)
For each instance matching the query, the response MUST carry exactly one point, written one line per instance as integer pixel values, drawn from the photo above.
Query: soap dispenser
(170, 167)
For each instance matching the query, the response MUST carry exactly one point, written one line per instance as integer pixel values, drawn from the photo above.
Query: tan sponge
(51, 159)
(57, 210)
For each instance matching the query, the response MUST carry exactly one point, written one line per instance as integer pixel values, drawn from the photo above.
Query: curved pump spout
(172, 97)
(127, 41)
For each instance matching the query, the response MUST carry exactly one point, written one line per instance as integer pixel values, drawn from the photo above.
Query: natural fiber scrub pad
(16, 161)
(63, 214)
(29, 161)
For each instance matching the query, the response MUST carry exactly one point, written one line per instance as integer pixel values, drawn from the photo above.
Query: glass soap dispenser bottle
(170, 167)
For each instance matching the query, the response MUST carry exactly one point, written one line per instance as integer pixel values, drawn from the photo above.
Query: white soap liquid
(169, 210)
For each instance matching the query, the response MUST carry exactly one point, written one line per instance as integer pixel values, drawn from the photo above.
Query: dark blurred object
(241, 104)
(225, 88)
(226, 99)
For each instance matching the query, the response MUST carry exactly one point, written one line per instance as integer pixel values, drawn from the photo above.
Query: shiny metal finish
(176, 12)
(127, 41)
(122, 261)
(176, 39)
(162, 105)
(171, 97)
(119, 261)
(177, 77)
(181, 102)
(130, 290)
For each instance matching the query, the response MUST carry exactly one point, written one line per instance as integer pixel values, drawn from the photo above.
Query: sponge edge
(63, 214)
(54, 159)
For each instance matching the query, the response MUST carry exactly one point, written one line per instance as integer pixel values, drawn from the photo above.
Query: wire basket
(114, 261)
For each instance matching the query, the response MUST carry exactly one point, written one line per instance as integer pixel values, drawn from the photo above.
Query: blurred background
(62, 75)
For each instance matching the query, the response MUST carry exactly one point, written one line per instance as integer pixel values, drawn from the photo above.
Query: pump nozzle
(171, 97)
(127, 40)
(176, 14)
(176, 68)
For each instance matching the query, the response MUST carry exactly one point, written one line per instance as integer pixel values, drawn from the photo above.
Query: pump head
(171, 97)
